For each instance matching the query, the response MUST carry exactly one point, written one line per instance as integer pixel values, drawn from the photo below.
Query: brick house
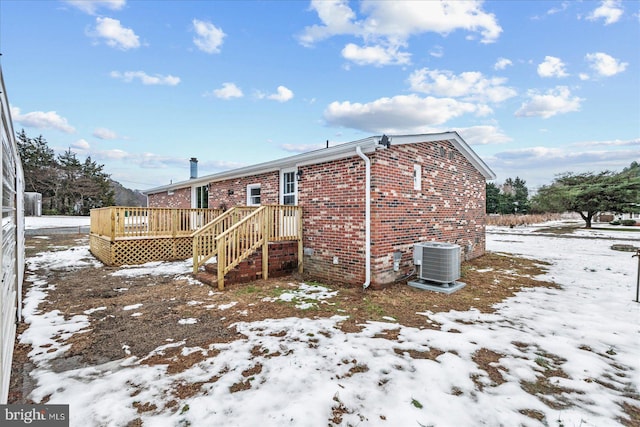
(427, 187)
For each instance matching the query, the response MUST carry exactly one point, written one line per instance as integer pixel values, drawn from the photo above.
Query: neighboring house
(12, 242)
(362, 201)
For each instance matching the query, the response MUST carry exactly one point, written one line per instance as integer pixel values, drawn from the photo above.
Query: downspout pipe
(367, 217)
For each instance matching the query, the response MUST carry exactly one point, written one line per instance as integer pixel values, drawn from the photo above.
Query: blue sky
(536, 88)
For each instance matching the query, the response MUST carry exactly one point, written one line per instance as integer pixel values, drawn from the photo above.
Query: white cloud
(609, 143)
(209, 37)
(336, 17)
(81, 144)
(437, 51)
(92, 6)
(546, 157)
(301, 148)
(375, 55)
(502, 63)
(555, 10)
(282, 95)
(554, 101)
(228, 91)
(400, 114)
(103, 133)
(609, 10)
(388, 25)
(129, 76)
(470, 85)
(114, 34)
(552, 67)
(483, 135)
(42, 120)
(605, 65)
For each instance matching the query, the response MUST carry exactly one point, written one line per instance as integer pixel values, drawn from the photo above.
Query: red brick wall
(283, 260)
(219, 193)
(332, 198)
(180, 199)
(269, 190)
(450, 207)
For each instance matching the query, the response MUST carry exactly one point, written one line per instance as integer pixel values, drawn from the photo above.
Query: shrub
(615, 222)
(628, 222)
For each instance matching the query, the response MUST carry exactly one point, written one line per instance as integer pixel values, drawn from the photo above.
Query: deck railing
(204, 239)
(232, 236)
(268, 223)
(116, 222)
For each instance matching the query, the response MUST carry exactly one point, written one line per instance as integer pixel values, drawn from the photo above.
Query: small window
(451, 155)
(443, 152)
(417, 177)
(253, 195)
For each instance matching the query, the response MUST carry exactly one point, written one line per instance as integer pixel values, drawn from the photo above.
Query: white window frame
(417, 177)
(295, 185)
(249, 198)
(194, 194)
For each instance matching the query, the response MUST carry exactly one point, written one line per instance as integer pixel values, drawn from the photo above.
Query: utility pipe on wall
(367, 216)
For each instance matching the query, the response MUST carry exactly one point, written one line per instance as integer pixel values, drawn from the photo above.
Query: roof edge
(367, 145)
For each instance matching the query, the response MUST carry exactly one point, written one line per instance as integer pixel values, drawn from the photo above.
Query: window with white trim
(253, 195)
(288, 190)
(201, 197)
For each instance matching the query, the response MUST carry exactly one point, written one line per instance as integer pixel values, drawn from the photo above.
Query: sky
(536, 88)
(311, 366)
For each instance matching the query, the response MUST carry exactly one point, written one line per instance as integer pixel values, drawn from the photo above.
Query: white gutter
(367, 218)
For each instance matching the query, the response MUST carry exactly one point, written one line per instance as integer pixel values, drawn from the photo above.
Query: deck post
(222, 250)
(300, 243)
(196, 254)
(113, 224)
(266, 219)
(174, 223)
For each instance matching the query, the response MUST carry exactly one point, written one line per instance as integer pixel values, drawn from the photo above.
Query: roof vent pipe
(194, 168)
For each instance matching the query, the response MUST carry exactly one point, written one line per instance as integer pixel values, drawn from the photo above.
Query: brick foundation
(283, 260)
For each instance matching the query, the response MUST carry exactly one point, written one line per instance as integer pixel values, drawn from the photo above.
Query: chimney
(194, 168)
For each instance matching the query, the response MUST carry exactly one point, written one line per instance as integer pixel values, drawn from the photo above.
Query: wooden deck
(133, 235)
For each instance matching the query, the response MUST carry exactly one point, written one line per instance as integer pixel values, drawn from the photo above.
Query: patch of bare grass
(513, 220)
(487, 360)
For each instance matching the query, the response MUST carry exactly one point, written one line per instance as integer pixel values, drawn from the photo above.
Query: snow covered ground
(562, 357)
(55, 221)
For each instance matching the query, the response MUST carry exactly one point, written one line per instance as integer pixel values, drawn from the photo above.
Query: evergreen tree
(591, 193)
(493, 198)
(40, 167)
(68, 186)
(511, 198)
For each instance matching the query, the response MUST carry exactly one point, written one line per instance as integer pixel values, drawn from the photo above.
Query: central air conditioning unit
(437, 262)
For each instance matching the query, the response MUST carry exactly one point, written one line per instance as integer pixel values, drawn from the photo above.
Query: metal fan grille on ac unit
(437, 262)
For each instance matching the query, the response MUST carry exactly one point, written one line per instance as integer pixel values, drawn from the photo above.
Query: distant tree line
(68, 185)
(586, 194)
(510, 198)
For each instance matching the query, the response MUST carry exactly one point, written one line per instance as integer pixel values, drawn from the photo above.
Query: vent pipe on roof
(194, 168)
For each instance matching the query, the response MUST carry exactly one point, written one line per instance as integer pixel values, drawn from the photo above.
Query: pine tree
(68, 186)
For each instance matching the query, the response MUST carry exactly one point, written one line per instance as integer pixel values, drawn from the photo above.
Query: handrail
(268, 223)
(204, 239)
(240, 241)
